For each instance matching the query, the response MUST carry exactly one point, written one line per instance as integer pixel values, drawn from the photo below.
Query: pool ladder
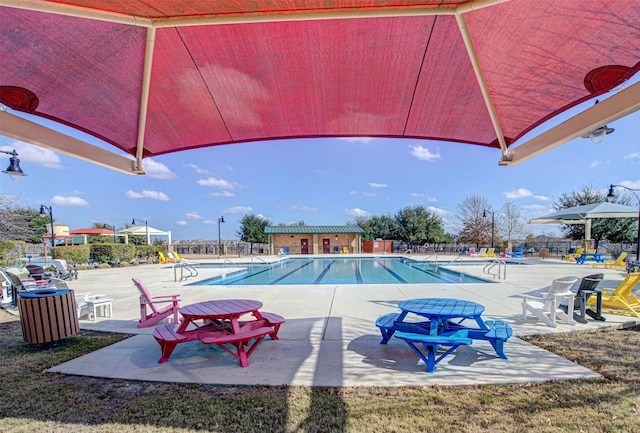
(502, 269)
(431, 260)
(192, 271)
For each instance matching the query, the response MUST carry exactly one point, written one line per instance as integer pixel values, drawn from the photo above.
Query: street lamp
(384, 237)
(146, 225)
(47, 209)
(493, 222)
(220, 220)
(14, 171)
(611, 196)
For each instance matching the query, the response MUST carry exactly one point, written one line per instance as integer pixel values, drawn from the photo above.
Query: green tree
(378, 227)
(473, 228)
(612, 229)
(252, 230)
(418, 225)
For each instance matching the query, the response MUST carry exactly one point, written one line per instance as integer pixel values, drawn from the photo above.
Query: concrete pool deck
(330, 338)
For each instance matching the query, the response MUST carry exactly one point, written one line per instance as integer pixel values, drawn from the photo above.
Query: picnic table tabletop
(584, 257)
(220, 309)
(440, 311)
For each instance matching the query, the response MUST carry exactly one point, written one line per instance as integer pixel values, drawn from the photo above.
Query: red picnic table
(218, 322)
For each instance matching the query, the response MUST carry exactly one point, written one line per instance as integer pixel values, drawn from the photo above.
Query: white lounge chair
(547, 307)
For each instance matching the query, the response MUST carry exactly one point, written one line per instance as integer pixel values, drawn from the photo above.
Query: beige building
(315, 239)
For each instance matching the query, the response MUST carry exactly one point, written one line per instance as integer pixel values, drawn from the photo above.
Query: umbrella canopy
(147, 231)
(158, 76)
(92, 231)
(583, 214)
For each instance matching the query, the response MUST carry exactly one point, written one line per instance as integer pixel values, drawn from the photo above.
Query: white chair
(482, 252)
(85, 302)
(547, 307)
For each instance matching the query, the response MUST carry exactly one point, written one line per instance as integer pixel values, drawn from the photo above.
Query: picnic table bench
(445, 327)
(431, 343)
(216, 322)
(589, 257)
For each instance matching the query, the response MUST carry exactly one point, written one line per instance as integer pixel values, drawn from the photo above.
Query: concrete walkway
(330, 338)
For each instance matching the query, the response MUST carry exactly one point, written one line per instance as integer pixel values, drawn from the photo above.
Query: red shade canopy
(92, 231)
(158, 76)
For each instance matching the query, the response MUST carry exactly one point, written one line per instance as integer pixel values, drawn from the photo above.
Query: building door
(304, 246)
(326, 246)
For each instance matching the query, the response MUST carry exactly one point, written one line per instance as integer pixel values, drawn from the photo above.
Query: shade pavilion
(160, 76)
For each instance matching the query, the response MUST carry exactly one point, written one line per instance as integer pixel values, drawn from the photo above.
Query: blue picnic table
(589, 257)
(445, 327)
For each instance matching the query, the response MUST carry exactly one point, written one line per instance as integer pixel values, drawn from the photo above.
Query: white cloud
(209, 222)
(157, 169)
(423, 153)
(181, 223)
(192, 216)
(377, 185)
(216, 183)
(220, 194)
(227, 167)
(438, 210)
(69, 201)
(198, 169)
(304, 208)
(356, 212)
(518, 193)
(542, 197)
(630, 184)
(426, 197)
(596, 164)
(238, 209)
(538, 207)
(634, 155)
(30, 154)
(156, 195)
(357, 139)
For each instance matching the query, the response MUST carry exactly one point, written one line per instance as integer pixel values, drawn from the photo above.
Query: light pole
(220, 220)
(384, 237)
(43, 210)
(14, 171)
(612, 196)
(104, 226)
(146, 226)
(493, 222)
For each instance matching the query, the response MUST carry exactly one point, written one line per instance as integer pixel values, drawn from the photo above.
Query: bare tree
(512, 225)
(19, 224)
(472, 226)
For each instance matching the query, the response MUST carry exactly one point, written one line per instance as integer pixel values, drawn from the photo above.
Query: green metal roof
(290, 230)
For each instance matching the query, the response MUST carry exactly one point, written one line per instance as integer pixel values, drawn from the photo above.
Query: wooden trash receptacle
(48, 315)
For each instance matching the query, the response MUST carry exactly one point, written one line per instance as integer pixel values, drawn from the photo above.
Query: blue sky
(325, 181)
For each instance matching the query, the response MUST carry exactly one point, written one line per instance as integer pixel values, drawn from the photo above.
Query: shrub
(112, 253)
(73, 254)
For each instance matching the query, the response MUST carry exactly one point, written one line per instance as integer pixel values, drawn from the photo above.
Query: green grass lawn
(36, 401)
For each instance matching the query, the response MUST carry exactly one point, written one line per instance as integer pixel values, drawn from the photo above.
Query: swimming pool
(348, 270)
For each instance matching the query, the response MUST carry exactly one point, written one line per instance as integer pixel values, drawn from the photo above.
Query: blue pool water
(368, 270)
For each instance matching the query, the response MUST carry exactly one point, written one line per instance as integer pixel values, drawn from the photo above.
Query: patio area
(330, 338)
